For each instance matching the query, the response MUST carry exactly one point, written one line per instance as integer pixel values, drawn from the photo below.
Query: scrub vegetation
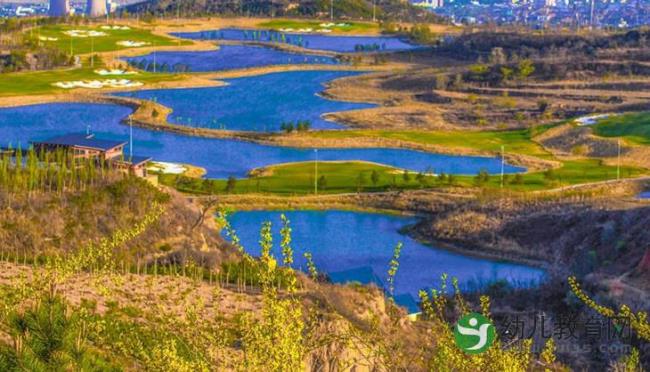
(92, 307)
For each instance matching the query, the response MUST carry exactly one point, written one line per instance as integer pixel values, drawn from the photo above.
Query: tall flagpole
(130, 138)
(618, 161)
(502, 163)
(316, 173)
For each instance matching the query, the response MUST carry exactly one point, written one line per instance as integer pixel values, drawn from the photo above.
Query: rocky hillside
(74, 220)
(598, 239)
(344, 9)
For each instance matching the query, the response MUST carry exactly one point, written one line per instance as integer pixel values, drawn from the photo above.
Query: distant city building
(432, 4)
(623, 14)
(111, 6)
(59, 8)
(96, 8)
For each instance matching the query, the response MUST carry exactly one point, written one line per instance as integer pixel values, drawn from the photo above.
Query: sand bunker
(98, 84)
(590, 119)
(165, 167)
(328, 25)
(325, 28)
(131, 43)
(104, 72)
(84, 33)
(115, 27)
(45, 38)
(300, 30)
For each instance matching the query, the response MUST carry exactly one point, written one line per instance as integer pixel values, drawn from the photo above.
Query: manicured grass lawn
(107, 43)
(298, 179)
(349, 177)
(349, 27)
(515, 141)
(40, 82)
(572, 172)
(633, 127)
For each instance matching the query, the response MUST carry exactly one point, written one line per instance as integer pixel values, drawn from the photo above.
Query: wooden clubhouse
(86, 146)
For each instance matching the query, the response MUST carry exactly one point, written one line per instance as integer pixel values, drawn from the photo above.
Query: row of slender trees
(146, 65)
(47, 171)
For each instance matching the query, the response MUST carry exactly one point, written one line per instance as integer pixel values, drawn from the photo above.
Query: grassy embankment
(348, 177)
(634, 127)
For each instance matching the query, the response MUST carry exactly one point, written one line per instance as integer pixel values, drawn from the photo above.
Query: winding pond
(255, 103)
(333, 43)
(345, 241)
(220, 157)
(227, 57)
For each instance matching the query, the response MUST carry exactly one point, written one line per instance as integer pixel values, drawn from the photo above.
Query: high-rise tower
(59, 8)
(96, 8)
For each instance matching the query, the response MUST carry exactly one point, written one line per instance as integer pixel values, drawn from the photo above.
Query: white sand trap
(328, 25)
(131, 43)
(167, 168)
(104, 72)
(324, 30)
(300, 30)
(84, 33)
(591, 119)
(115, 27)
(45, 38)
(98, 84)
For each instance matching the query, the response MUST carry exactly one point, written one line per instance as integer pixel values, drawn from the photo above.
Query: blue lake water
(342, 240)
(644, 195)
(226, 58)
(255, 103)
(334, 43)
(220, 157)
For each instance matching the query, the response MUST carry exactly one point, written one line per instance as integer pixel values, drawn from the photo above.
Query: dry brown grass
(563, 141)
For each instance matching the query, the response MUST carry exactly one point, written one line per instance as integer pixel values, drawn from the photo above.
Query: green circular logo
(474, 333)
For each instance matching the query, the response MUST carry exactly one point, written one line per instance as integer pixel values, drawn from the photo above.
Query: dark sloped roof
(82, 140)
